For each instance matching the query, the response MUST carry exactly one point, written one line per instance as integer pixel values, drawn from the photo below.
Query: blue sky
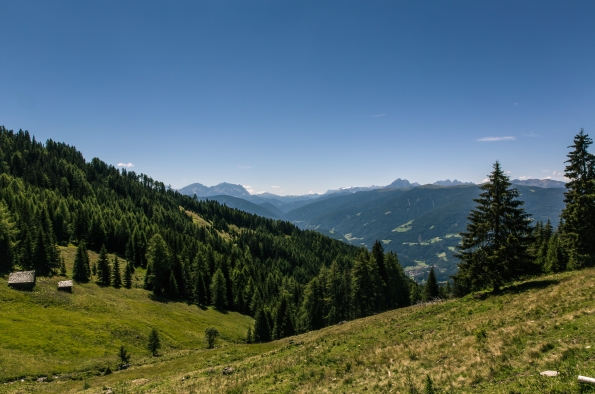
(292, 97)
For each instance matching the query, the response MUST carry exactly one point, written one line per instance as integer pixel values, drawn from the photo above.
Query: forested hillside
(201, 252)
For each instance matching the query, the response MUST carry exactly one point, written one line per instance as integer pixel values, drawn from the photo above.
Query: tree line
(200, 252)
(500, 243)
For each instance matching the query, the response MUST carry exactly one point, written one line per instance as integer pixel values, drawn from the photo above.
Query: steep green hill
(479, 344)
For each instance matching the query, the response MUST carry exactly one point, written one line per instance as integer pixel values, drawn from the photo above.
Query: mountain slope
(496, 345)
(246, 206)
(420, 224)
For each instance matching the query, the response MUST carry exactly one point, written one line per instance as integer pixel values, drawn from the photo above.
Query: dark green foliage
(7, 239)
(62, 267)
(158, 265)
(128, 272)
(366, 285)
(104, 274)
(53, 195)
(555, 259)
(81, 271)
(116, 274)
(123, 355)
(494, 249)
(283, 325)
(431, 289)
(262, 331)
(154, 343)
(577, 229)
(211, 334)
(219, 290)
(312, 313)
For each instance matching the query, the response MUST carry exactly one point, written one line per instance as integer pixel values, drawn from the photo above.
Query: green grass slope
(45, 332)
(498, 344)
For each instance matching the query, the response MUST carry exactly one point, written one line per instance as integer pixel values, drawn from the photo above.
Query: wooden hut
(22, 280)
(65, 285)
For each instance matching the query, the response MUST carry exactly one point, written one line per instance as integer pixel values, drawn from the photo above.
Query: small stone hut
(65, 285)
(22, 280)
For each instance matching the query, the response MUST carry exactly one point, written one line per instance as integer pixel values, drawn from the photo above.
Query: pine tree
(154, 343)
(81, 272)
(578, 229)
(62, 267)
(398, 283)
(262, 331)
(8, 234)
(365, 285)
(431, 289)
(116, 275)
(158, 265)
(103, 268)
(283, 325)
(312, 310)
(494, 249)
(219, 290)
(128, 271)
(124, 356)
(555, 260)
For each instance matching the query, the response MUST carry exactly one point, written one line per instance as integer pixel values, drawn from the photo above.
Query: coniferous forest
(289, 280)
(200, 252)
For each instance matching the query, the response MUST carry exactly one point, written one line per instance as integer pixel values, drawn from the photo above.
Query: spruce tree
(219, 290)
(158, 265)
(494, 249)
(154, 343)
(312, 311)
(431, 289)
(81, 272)
(283, 325)
(578, 229)
(8, 234)
(128, 271)
(103, 268)
(262, 331)
(117, 275)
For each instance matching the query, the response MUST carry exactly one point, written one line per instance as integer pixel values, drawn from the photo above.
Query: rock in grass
(227, 370)
(549, 373)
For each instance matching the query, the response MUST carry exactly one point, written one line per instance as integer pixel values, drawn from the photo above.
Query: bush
(211, 334)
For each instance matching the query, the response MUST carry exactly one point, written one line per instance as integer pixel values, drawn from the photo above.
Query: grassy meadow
(479, 344)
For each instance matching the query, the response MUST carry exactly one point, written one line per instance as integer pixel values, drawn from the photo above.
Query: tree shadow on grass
(160, 298)
(536, 284)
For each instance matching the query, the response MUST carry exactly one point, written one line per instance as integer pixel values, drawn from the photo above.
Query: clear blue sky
(297, 96)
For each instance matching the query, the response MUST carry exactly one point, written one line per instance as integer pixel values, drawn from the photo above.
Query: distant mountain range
(420, 223)
(546, 183)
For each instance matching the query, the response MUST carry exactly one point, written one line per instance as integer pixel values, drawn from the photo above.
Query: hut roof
(65, 283)
(21, 277)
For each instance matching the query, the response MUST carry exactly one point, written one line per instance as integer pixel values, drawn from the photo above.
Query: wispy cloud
(125, 165)
(244, 167)
(494, 139)
(522, 178)
(531, 134)
(275, 187)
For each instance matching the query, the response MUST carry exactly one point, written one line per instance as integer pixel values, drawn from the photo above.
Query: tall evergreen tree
(365, 285)
(262, 331)
(493, 250)
(283, 325)
(116, 275)
(312, 310)
(128, 271)
(578, 229)
(219, 290)
(398, 283)
(431, 289)
(104, 274)
(158, 265)
(8, 233)
(81, 271)
(154, 343)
